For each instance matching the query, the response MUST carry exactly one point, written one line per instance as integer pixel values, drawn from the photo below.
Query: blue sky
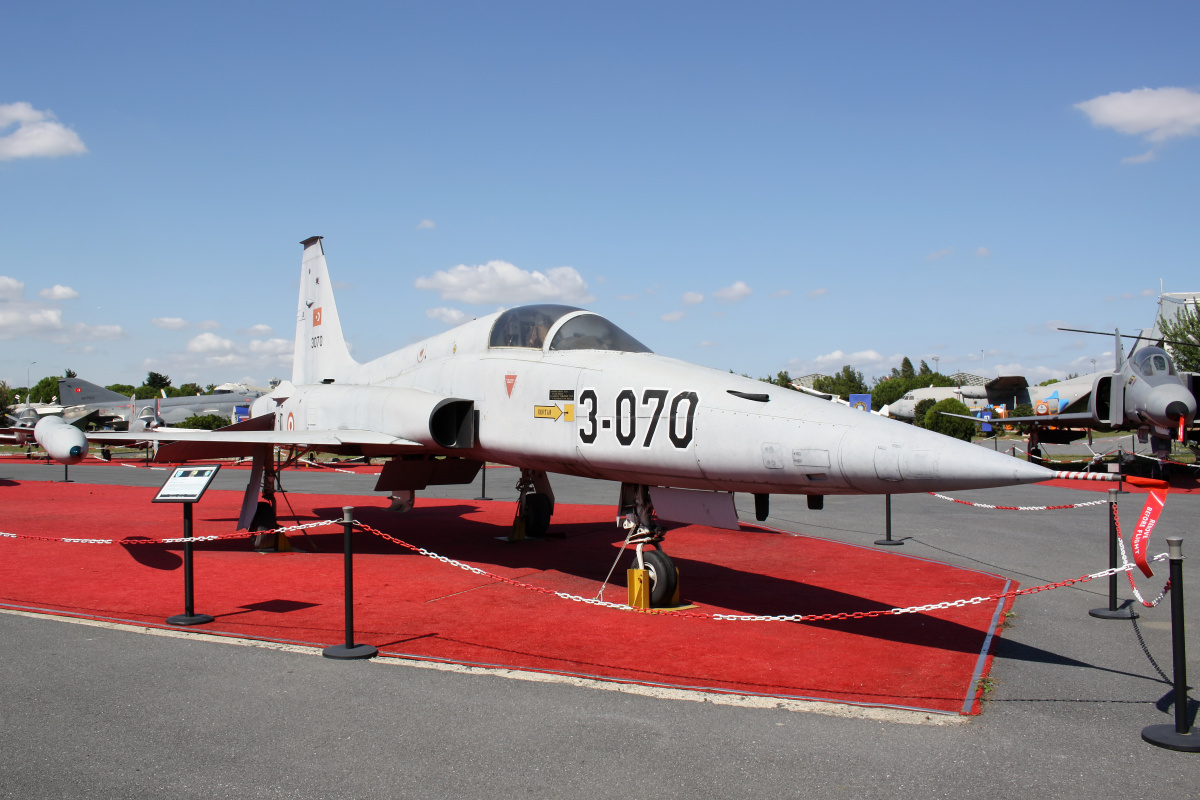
(753, 187)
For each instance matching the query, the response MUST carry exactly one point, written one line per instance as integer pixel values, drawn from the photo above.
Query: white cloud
(1158, 115)
(209, 343)
(58, 292)
(707, 343)
(11, 288)
(270, 346)
(258, 330)
(782, 293)
(816, 293)
(501, 282)
(936, 254)
(426, 225)
(691, 298)
(169, 323)
(208, 325)
(81, 331)
(38, 135)
(1143, 158)
(21, 317)
(673, 316)
(732, 294)
(983, 252)
(448, 316)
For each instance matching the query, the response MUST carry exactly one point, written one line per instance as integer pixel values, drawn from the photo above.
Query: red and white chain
(1017, 508)
(752, 617)
(176, 540)
(1125, 567)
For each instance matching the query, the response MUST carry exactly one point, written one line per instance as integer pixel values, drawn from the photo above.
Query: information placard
(187, 484)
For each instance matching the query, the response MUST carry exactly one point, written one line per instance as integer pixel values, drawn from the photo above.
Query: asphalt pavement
(90, 711)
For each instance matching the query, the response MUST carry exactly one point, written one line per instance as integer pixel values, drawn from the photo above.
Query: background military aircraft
(557, 389)
(1143, 393)
(84, 402)
(1008, 390)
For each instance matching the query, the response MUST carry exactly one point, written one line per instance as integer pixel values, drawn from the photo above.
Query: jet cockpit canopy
(528, 327)
(1153, 361)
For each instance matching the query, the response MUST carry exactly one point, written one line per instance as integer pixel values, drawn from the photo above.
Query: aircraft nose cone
(888, 457)
(969, 466)
(1177, 409)
(1168, 403)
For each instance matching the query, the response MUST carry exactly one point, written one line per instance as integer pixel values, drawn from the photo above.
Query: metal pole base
(350, 651)
(482, 497)
(1167, 737)
(189, 619)
(889, 541)
(1124, 612)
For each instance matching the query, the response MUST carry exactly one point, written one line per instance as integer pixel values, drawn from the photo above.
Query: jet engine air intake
(452, 423)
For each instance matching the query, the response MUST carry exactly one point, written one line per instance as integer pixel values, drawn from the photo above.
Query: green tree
(956, 427)
(70, 373)
(1185, 328)
(44, 390)
(921, 409)
(924, 371)
(156, 380)
(189, 389)
(208, 422)
(906, 369)
(845, 383)
(121, 388)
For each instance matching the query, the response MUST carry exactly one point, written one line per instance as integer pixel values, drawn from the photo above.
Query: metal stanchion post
(1113, 611)
(349, 649)
(887, 516)
(1177, 736)
(483, 483)
(189, 615)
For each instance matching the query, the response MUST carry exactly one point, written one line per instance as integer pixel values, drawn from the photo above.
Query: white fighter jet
(556, 389)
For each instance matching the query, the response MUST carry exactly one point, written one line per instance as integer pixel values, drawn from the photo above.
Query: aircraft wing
(1045, 419)
(190, 445)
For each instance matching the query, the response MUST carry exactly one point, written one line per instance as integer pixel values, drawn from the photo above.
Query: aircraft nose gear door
(637, 517)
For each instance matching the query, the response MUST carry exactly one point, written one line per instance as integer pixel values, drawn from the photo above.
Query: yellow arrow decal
(547, 412)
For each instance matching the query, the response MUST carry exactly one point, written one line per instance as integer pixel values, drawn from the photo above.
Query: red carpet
(413, 605)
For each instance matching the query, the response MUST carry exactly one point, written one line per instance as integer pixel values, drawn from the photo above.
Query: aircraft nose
(1169, 403)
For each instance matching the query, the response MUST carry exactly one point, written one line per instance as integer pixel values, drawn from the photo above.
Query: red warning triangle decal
(509, 380)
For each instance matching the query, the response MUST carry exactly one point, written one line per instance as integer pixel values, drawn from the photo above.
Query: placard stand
(187, 485)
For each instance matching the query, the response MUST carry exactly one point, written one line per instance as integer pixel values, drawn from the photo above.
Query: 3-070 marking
(626, 416)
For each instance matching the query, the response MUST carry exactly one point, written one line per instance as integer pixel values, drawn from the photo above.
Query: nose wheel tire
(662, 574)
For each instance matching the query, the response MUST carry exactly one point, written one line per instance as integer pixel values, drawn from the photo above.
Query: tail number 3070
(680, 419)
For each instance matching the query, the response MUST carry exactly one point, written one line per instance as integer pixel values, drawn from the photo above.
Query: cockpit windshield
(592, 332)
(1153, 361)
(527, 326)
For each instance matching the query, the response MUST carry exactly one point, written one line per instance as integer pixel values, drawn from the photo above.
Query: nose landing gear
(637, 517)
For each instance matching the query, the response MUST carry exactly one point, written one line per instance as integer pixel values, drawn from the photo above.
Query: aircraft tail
(73, 392)
(321, 353)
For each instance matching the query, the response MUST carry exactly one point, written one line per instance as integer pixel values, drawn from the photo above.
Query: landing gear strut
(637, 517)
(535, 505)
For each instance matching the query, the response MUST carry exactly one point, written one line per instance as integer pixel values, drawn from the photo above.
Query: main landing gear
(637, 517)
(535, 506)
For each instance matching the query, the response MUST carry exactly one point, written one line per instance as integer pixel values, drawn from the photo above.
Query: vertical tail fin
(321, 353)
(1119, 350)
